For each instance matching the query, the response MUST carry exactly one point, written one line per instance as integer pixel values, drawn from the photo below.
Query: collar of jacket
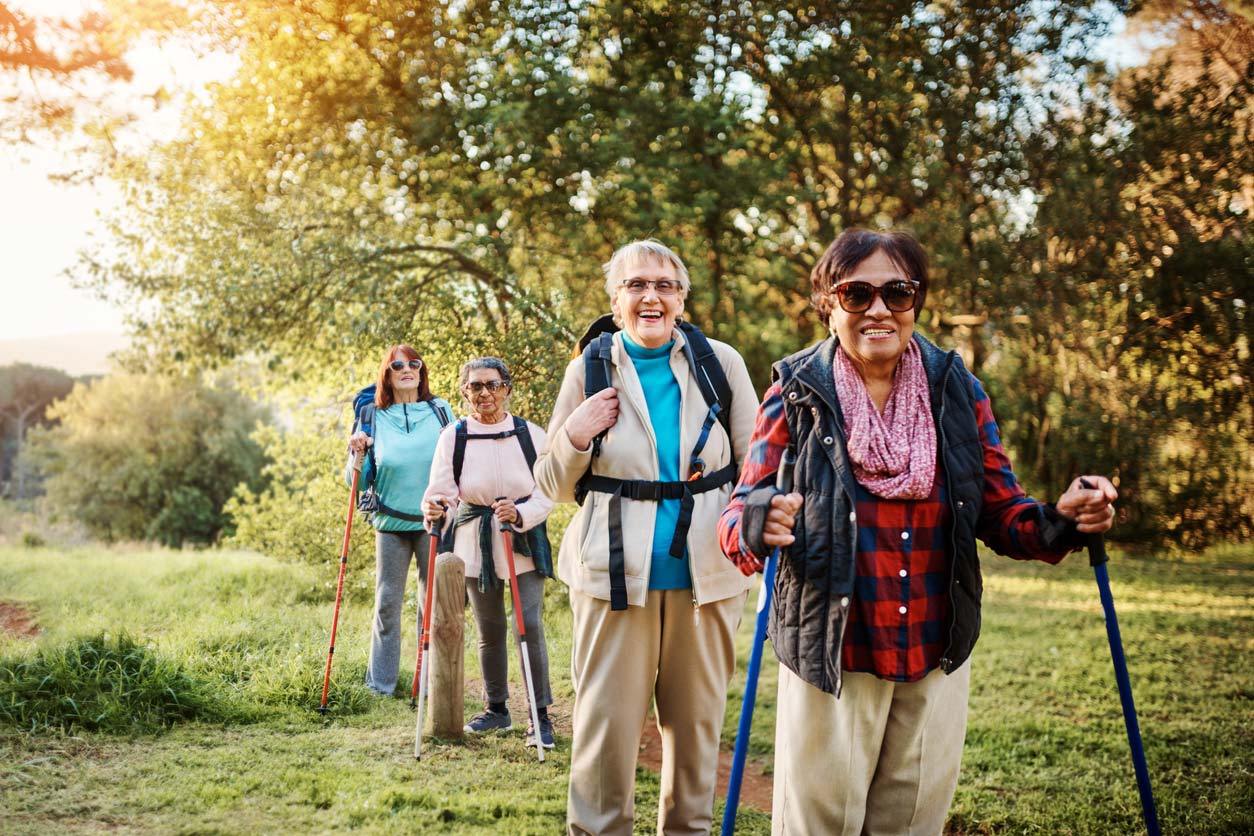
(813, 367)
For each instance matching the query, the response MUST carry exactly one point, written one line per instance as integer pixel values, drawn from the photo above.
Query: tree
(54, 70)
(454, 174)
(26, 392)
(153, 458)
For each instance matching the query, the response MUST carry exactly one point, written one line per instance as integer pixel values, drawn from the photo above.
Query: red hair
(383, 394)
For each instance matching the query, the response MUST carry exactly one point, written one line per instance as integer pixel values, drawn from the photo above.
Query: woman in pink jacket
(480, 480)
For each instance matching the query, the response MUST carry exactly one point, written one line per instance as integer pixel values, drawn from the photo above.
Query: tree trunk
(448, 680)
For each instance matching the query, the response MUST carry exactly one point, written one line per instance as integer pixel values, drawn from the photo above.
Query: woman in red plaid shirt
(900, 470)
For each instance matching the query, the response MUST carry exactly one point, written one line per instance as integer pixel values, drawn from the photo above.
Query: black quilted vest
(815, 577)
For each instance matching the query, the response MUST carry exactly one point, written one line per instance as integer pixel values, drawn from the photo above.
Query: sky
(44, 224)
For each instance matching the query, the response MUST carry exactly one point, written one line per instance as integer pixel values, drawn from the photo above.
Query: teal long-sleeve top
(661, 396)
(400, 467)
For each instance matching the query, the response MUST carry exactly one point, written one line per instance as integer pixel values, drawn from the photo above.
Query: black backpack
(596, 345)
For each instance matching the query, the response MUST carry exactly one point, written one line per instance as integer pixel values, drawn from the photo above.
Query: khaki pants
(882, 759)
(622, 660)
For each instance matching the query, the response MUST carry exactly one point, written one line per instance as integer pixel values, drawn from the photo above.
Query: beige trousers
(621, 661)
(881, 760)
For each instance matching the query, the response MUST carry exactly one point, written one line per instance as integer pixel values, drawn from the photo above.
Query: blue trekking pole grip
(1098, 559)
(783, 484)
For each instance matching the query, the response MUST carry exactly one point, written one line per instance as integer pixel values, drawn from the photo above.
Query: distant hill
(76, 354)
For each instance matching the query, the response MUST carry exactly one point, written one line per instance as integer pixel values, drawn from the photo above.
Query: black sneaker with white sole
(546, 732)
(488, 720)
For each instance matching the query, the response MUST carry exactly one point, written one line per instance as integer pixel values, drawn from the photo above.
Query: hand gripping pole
(783, 484)
(1098, 560)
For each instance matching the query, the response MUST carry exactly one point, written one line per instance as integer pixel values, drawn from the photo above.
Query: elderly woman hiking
(655, 604)
(405, 422)
(481, 478)
(877, 600)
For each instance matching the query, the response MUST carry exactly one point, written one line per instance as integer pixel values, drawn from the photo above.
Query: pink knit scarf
(893, 454)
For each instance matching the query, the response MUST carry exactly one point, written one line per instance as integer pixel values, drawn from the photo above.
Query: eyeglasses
(637, 287)
(397, 365)
(493, 386)
(857, 297)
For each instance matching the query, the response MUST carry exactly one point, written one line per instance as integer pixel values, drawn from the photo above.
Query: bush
(115, 685)
(148, 458)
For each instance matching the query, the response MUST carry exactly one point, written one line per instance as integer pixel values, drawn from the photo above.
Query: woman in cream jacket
(671, 639)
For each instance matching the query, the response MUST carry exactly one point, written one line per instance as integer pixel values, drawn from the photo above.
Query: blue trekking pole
(1097, 559)
(783, 484)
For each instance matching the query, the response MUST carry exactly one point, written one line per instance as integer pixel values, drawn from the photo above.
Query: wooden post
(448, 678)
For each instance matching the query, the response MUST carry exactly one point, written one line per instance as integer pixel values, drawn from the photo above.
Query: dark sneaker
(546, 733)
(488, 720)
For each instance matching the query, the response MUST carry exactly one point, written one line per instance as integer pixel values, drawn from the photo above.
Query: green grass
(191, 680)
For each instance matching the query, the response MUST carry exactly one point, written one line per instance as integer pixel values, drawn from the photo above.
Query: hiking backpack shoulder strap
(525, 442)
(459, 450)
(439, 413)
(597, 373)
(711, 378)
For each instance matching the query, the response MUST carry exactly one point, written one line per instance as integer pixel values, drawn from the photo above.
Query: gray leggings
(392, 553)
(496, 636)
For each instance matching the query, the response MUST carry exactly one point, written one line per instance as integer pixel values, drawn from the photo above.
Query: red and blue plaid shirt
(900, 609)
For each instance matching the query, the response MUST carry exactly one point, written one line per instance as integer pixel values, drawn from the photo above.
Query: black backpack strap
(459, 450)
(439, 413)
(596, 373)
(525, 442)
(711, 378)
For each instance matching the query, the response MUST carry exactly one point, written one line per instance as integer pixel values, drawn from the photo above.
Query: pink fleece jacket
(492, 468)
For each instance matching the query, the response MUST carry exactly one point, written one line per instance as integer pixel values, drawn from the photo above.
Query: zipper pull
(696, 611)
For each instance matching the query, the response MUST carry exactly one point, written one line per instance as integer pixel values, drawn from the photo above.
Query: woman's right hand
(358, 442)
(433, 511)
(592, 417)
(780, 519)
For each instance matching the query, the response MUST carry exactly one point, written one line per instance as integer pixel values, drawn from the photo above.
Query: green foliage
(452, 174)
(301, 513)
(102, 683)
(145, 457)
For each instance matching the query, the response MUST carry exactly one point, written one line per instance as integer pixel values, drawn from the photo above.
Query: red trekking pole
(508, 536)
(423, 644)
(422, 672)
(339, 586)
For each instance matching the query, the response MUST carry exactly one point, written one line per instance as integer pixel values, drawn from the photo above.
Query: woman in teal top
(661, 396)
(406, 425)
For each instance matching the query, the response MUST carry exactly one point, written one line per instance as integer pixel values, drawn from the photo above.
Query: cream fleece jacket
(492, 468)
(629, 451)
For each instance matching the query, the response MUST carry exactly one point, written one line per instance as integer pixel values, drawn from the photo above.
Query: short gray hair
(486, 363)
(631, 254)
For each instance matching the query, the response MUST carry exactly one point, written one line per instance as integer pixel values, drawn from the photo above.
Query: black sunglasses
(857, 297)
(492, 386)
(397, 365)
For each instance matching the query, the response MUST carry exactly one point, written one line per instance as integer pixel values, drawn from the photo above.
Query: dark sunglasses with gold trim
(858, 296)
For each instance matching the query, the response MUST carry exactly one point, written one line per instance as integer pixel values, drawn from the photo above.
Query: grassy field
(173, 693)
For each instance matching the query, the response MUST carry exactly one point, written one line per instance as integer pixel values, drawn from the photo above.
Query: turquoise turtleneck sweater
(661, 396)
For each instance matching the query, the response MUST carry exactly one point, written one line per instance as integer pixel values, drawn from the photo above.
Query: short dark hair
(854, 246)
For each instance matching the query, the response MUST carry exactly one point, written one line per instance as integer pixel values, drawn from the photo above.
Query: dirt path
(17, 620)
(755, 787)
